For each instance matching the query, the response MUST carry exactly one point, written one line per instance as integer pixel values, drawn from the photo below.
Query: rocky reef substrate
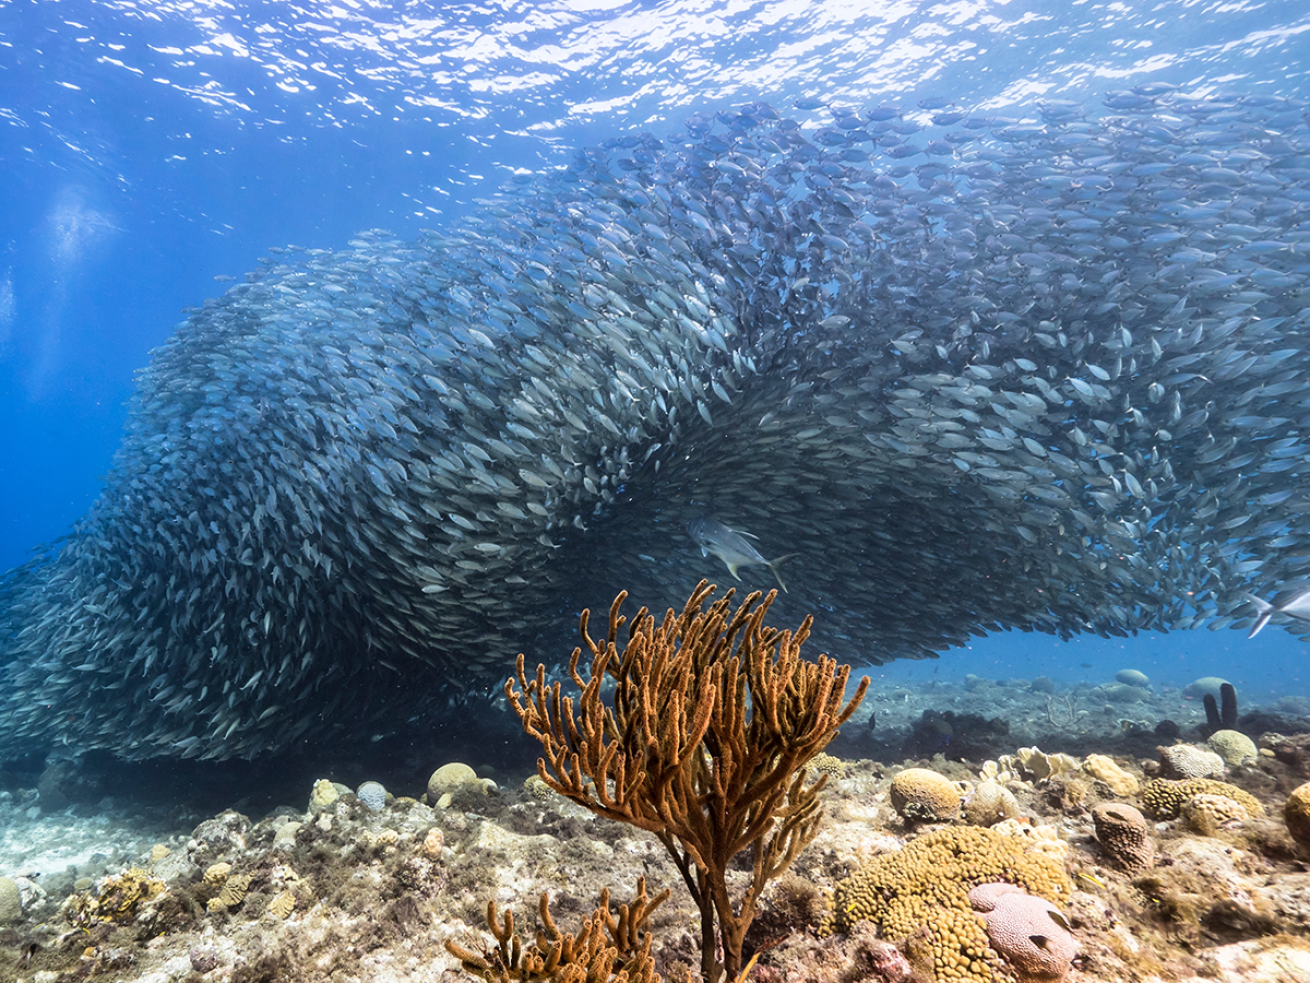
(1167, 854)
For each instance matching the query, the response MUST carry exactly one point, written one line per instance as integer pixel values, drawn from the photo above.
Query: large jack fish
(730, 546)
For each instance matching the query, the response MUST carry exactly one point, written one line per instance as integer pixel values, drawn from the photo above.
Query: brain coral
(1207, 814)
(1189, 761)
(373, 795)
(922, 795)
(1031, 933)
(926, 885)
(991, 803)
(1234, 747)
(1296, 813)
(1164, 799)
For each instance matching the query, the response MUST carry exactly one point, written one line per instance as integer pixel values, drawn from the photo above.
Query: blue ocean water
(150, 147)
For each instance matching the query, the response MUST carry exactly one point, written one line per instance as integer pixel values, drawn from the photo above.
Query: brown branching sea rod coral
(605, 950)
(713, 719)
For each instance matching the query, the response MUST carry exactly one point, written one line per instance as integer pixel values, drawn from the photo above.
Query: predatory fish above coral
(1046, 373)
(730, 546)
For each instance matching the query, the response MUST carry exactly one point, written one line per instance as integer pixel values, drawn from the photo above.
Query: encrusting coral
(1164, 799)
(605, 950)
(714, 718)
(116, 899)
(1207, 814)
(921, 893)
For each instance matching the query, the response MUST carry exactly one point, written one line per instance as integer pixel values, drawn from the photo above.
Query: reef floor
(141, 875)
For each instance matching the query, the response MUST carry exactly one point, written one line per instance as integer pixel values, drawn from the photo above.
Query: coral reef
(326, 889)
(921, 894)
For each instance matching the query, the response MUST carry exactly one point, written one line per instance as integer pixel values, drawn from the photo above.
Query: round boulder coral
(450, 778)
(1205, 686)
(1133, 677)
(537, 788)
(1124, 835)
(373, 795)
(1030, 933)
(1296, 813)
(1207, 814)
(922, 795)
(1234, 747)
(1189, 761)
(990, 804)
(1120, 693)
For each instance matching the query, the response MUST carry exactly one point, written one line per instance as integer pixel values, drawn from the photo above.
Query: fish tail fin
(1264, 611)
(773, 565)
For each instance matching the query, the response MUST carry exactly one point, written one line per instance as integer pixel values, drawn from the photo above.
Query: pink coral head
(1029, 932)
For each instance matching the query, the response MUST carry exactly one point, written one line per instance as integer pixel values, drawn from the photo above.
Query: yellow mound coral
(1104, 769)
(926, 886)
(922, 795)
(828, 764)
(1207, 814)
(1164, 799)
(1296, 813)
(118, 898)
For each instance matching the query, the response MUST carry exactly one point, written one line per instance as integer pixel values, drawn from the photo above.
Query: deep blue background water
(148, 147)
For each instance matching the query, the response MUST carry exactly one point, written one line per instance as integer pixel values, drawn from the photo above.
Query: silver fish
(730, 546)
(1297, 606)
(373, 454)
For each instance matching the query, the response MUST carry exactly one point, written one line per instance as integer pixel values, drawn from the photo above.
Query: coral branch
(713, 719)
(605, 950)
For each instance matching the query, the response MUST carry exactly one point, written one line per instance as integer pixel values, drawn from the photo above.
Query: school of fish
(1045, 372)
